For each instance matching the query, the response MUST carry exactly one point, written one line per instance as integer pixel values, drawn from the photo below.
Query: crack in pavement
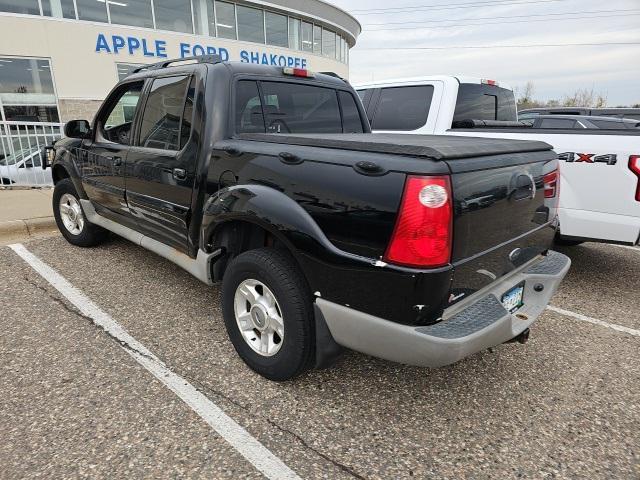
(300, 439)
(72, 309)
(196, 383)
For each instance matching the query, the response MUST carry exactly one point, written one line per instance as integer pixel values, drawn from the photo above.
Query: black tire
(91, 234)
(278, 271)
(565, 242)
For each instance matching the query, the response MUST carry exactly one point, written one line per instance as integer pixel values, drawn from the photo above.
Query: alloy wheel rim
(71, 214)
(259, 317)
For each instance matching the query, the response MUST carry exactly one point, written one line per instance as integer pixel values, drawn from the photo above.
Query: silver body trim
(411, 345)
(199, 267)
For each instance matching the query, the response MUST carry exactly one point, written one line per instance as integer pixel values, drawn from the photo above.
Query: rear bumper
(469, 326)
(590, 225)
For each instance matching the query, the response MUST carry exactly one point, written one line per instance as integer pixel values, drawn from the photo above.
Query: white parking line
(628, 247)
(250, 448)
(595, 321)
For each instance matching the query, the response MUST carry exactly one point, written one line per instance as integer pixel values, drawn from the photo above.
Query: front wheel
(267, 311)
(70, 217)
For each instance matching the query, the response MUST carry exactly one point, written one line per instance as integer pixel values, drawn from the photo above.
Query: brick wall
(78, 109)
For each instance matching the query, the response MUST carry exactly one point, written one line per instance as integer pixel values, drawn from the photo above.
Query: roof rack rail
(213, 59)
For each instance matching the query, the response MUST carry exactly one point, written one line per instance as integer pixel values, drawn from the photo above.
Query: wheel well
(236, 237)
(58, 173)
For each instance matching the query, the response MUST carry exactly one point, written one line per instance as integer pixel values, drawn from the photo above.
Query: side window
(160, 125)
(365, 96)
(557, 123)
(351, 122)
(403, 108)
(249, 118)
(115, 125)
(187, 116)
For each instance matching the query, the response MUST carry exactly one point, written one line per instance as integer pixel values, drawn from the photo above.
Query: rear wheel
(267, 311)
(70, 217)
(565, 242)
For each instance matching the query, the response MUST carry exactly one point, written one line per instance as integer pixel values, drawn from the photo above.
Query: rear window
(294, 108)
(402, 108)
(557, 123)
(484, 102)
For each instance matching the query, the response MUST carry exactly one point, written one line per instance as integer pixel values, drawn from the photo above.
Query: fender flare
(264, 206)
(65, 159)
(277, 213)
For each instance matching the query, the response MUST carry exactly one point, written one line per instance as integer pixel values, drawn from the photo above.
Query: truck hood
(436, 147)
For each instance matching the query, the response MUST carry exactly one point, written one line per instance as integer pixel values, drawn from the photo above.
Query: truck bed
(436, 147)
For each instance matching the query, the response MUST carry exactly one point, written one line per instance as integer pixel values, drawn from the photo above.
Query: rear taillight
(551, 182)
(634, 165)
(423, 231)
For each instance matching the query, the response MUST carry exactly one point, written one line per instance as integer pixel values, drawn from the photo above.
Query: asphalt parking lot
(75, 403)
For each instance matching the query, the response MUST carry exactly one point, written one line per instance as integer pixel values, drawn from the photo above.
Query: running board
(200, 267)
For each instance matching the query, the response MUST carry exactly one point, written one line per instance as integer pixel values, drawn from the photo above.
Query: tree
(579, 98)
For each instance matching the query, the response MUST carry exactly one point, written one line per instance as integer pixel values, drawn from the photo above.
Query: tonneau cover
(437, 147)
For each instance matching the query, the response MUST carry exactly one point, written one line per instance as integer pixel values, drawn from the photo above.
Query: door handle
(179, 173)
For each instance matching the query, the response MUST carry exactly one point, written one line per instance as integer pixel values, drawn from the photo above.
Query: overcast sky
(613, 70)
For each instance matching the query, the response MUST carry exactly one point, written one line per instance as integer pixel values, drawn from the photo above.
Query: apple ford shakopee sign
(157, 48)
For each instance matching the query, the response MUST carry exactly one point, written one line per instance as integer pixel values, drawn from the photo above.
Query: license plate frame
(513, 299)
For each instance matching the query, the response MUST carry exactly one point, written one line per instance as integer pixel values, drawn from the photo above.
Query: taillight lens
(423, 231)
(551, 182)
(634, 165)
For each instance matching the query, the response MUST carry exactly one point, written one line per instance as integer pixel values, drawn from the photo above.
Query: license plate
(512, 300)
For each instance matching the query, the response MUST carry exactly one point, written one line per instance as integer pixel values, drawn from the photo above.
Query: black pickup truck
(416, 249)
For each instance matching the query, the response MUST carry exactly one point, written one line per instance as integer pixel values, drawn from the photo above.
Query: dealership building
(60, 58)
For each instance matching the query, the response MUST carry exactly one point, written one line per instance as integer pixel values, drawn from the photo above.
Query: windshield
(484, 102)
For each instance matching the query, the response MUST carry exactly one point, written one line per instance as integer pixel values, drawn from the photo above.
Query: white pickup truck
(600, 171)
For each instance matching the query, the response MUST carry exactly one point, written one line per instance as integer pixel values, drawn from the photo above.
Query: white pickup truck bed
(599, 191)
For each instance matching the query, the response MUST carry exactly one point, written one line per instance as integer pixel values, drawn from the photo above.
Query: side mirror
(77, 129)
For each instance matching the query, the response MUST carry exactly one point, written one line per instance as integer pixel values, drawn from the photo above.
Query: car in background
(632, 113)
(581, 122)
(24, 167)
(599, 169)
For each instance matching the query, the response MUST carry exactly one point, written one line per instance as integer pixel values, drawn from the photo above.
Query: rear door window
(484, 102)
(351, 122)
(402, 108)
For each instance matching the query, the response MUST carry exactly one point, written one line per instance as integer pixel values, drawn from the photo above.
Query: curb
(27, 228)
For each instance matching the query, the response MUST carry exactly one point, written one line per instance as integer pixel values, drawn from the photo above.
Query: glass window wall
(328, 43)
(58, 9)
(203, 17)
(250, 24)
(28, 7)
(174, 15)
(92, 10)
(276, 29)
(226, 20)
(26, 90)
(317, 39)
(294, 33)
(136, 13)
(306, 31)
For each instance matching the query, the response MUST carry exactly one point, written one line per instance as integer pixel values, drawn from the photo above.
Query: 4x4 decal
(608, 158)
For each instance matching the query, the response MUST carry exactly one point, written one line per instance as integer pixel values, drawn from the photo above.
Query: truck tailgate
(501, 216)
